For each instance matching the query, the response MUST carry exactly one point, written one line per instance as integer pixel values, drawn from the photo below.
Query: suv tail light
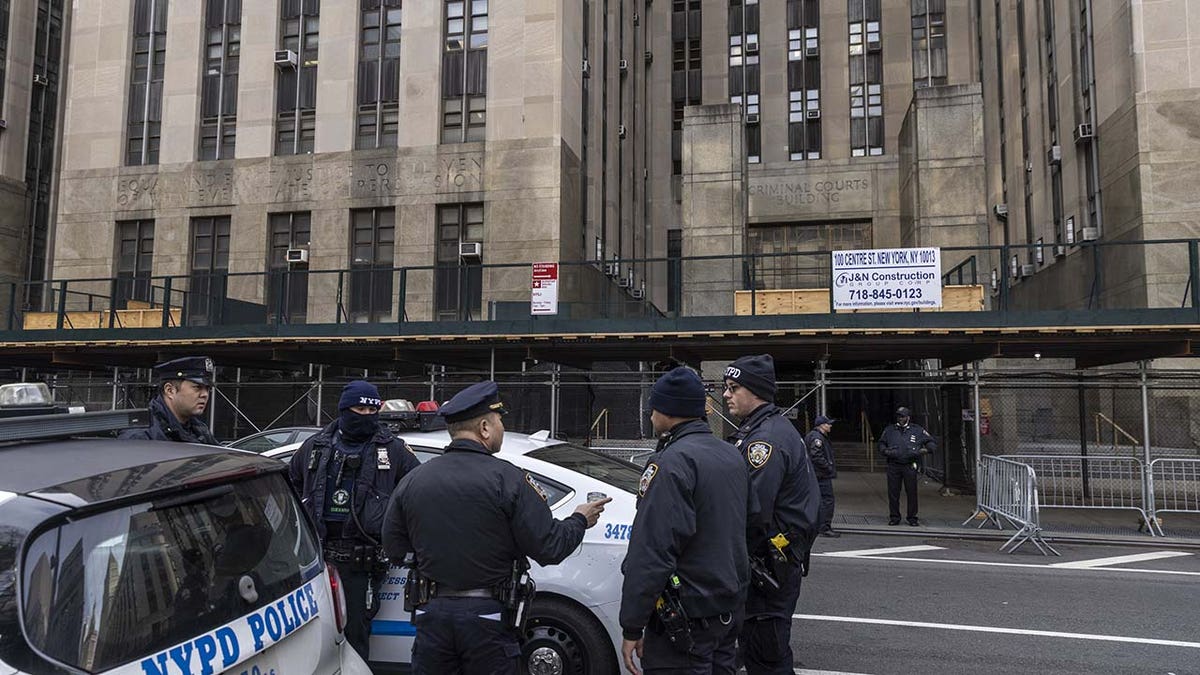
(338, 595)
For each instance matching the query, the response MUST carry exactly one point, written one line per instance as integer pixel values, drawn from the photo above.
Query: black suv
(157, 558)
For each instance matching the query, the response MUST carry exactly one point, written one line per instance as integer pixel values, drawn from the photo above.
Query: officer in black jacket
(690, 526)
(468, 517)
(820, 451)
(789, 502)
(176, 411)
(345, 474)
(902, 444)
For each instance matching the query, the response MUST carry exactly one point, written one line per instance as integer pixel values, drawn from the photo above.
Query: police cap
(821, 419)
(198, 369)
(476, 400)
(903, 412)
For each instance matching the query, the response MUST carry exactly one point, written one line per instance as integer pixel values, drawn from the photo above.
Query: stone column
(714, 207)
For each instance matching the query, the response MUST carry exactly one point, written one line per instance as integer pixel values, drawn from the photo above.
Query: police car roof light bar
(65, 425)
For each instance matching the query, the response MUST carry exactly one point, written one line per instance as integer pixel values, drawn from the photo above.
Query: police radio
(669, 611)
(516, 594)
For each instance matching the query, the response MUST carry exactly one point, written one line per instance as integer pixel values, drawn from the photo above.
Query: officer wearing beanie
(177, 409)
(902, 444)
(820, 451)
(693, 501)
(345, 474)
(785, 486)
(467, 517)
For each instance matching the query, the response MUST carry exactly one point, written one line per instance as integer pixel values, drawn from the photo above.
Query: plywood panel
(816, 301)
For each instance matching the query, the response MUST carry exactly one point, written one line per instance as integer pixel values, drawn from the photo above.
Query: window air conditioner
(285, 58)
(620, 131)
(811, 51)
(813, 114)
(649, 57)
(1054, 155)
(752, 47)
(1059, 250)
(470, 250)
(1084, 133)
(1001, 211)
(40, 79)
(624, 282)
(3, 124)
(296, 255)
(1027, 270)
(637, 294)
(612, 269)
(623, 65)
(1089, 233)
(874, 45)
(752, 118)
(587, 68)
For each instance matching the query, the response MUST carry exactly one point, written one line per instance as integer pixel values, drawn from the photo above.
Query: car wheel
(562, 638)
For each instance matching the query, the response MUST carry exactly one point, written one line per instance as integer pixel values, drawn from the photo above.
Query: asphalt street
(894, 605)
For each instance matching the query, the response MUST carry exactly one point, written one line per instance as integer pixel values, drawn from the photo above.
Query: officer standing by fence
(471, 521)
(686, 571)
(902, 444)
(184, 386)
(820, 451)
(345, 474)
(782, 479)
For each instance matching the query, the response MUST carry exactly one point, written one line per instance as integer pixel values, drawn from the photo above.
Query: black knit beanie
(756, 373)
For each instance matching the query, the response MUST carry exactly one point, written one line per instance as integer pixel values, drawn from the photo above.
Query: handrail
(1116, 428)
(602, 416)
(868, 438)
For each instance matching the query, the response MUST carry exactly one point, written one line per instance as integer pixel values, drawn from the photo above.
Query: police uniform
(903, 447)
(345, 480)
(164, 425)
(820, 451)
(786, 491)
(691, 523)
(467, 517)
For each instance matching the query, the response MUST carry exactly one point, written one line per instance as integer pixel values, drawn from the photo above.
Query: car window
(105, 589)
(555, 491)
(264, 442)
(622, 475)
(425, 454)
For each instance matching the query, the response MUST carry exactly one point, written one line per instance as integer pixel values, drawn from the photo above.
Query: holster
(670, 618)
(417, 590)
(353, 556)
(515, 595)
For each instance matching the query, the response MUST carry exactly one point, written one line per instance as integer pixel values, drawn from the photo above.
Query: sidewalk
(862, 507)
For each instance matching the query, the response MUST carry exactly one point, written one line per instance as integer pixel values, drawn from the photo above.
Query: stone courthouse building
(208, 138)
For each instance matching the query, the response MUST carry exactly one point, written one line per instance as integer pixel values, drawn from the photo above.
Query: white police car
(573, 627)
(153, 558)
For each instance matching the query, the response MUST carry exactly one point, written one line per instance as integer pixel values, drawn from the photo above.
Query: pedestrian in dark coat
(902, 444)
(820, 451)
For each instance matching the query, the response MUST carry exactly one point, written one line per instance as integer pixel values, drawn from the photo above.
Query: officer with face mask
(345, 475)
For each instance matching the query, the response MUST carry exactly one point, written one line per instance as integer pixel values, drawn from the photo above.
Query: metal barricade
(1093, 482)
(1175, 484)
(1007, 491)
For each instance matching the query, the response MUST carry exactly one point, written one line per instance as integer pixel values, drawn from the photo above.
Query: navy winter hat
(359, 392)
(756, 373)
(679, 393)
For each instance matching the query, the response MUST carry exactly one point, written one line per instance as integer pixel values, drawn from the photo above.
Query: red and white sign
(543, 296)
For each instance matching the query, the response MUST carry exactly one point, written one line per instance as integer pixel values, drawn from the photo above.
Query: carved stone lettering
(373, 178)
(289, 183)
(459, 173)
(213, 188)
(137, 192)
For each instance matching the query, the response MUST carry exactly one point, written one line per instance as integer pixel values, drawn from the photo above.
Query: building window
(372, 246)
(685, 71)
(135, 254)
(459, 282)
(866, 78)
(379, 75)
(804, 79)
(218, 91)
(674, 268)
(43, 135)
(805, 266)
(210, 271)
(287, 281)
(4, 7)
(464, 71)
(146, 81)
(744, 87)
(929, 43)
(296, 62)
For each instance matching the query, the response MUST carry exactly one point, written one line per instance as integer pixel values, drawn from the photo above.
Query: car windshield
(622, 475)
(103, 590)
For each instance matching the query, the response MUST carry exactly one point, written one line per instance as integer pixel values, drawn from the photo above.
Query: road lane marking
(862, 553)
(1120, 560)
(805, 671)
(981, 563)
(997, 629)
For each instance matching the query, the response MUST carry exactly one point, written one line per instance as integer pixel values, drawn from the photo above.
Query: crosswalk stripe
(862, 553)
(1119, 560)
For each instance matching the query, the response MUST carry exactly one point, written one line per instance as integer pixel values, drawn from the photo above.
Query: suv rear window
(619, 474)
(105, 589)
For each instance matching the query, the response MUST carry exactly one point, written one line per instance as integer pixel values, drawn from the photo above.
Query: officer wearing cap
(902, 444)
(789, 504)
(471, 521)
(820, 451)
(345, 474)
(177, 409)
(688, 546)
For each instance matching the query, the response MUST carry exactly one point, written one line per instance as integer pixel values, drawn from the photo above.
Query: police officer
(782, 478)
(690, 528)
(820, 451)
(468, 518)
(345, 474)
(902, 444)
(184, 386)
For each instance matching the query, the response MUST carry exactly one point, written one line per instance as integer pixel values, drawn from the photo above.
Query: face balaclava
(358, 428)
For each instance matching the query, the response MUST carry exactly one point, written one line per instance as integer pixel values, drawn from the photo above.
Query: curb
(1143, 541)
